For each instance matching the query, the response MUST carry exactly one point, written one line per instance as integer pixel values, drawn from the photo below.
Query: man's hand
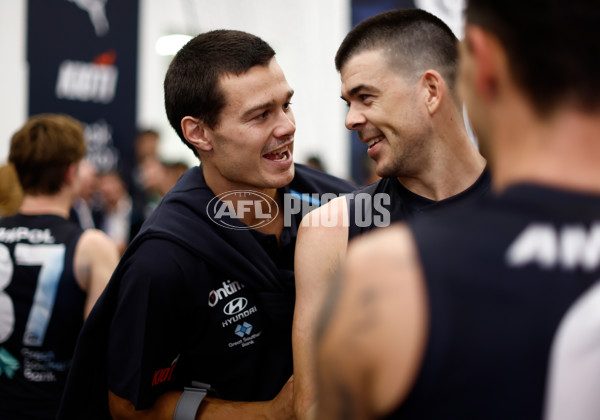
(279, 408)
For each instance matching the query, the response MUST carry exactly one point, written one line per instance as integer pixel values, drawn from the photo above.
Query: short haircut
(43, 149)
(412, 39)
(553, 47)
(192, 81)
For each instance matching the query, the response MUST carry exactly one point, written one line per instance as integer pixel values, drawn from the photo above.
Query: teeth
(283, 157)
(374, 141)
(277, 152)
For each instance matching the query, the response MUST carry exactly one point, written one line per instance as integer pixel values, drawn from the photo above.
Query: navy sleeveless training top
(388, 201)
(499, 278)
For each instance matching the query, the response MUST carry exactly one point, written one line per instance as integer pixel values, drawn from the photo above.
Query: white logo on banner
(86, 82)
(96, 9)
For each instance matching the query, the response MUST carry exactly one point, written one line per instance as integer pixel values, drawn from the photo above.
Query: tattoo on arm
(366, 309)
(346, 403)
(341, 379)
(331, 303)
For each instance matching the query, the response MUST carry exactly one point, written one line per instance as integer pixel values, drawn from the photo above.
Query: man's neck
(452, 163)
(452, 166)
(561, 151)
(44, 204)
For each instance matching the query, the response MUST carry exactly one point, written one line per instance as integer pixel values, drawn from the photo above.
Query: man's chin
(281, 179)
(383, 171)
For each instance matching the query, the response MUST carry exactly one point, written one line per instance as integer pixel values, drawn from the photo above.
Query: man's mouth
(374, 141)
(278, 155)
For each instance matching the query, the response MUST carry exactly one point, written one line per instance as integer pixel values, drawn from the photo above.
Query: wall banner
(82, 58)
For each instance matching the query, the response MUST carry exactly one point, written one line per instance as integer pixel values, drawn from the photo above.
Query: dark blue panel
(84, 63)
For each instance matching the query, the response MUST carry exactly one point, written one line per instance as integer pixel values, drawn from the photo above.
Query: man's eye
(262, 116)
(287, 105)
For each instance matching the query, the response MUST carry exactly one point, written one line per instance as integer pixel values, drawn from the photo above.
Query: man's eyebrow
(355, 90)
(265, 105)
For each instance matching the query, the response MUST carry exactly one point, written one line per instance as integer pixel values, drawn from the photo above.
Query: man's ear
(71, 173)
(484, 51)
(196, 133)
(434, 90)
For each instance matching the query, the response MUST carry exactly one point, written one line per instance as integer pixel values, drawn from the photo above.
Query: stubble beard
(406, 162)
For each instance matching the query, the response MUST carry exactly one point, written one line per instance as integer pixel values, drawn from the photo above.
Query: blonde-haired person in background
(11, 193)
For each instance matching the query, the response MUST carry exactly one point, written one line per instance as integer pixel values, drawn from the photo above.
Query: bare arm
(210, 409)
(320, 246)
(372, 332)
(96, 257)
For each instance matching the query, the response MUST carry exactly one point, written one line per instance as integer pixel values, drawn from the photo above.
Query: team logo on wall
(88, 82)
(96, 10)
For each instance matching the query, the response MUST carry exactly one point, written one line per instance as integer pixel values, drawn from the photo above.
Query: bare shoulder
(322, 241)
(374, 323)
(328, 220)
(95, 253)
(393, 241)
(92, 238)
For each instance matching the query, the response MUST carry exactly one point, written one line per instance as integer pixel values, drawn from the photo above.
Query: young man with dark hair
(398, 72)
(51, 272)
(453, 316)
(205, 292)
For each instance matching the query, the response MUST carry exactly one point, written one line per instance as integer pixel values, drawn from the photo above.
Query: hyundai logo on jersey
(235, 306)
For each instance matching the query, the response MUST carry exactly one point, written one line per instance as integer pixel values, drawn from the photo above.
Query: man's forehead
(365, 69)
(255, 77)
(362, 57)
(260, 86)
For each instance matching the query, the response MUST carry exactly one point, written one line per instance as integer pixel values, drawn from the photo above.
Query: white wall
(13, 71)
(304, 34)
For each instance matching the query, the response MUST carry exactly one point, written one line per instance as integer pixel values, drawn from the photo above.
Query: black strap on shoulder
(366, 209)
(190, 400)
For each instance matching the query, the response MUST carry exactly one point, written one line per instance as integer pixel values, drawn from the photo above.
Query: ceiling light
(170, 44)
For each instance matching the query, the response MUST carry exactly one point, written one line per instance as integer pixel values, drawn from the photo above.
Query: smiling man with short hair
(398, 73)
